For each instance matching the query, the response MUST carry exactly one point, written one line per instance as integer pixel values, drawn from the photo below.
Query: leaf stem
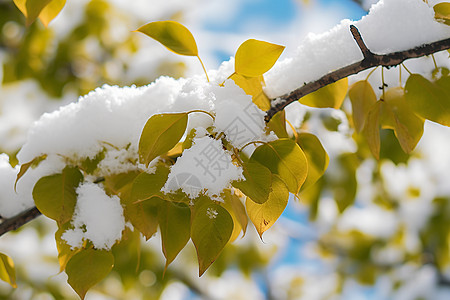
(293, 130)
(249, 143)
(203, 66)
(371, 72)
(434, 61)
(202, 111)
(410, 73)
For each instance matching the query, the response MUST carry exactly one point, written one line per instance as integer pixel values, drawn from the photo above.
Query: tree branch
(19, 220)
(370, 60)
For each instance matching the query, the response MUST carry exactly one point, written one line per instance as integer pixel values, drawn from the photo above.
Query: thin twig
(19, 220)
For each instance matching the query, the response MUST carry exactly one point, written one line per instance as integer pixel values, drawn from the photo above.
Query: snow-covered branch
(370, 60)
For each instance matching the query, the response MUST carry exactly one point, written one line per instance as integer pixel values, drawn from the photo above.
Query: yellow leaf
(49, 12)
(442, 12)
(65, 251)
(253, 86)
(234, 206)
(285, 158)
(331, 95)
(429, 100)
(371, 129)
(408, 127)
(254, 58)
(316, 156)
(362, 97)
(31, 8)
(263, 216)
(7, 271)
(173, 35)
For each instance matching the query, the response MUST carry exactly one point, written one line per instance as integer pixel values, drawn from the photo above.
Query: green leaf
(146, 186)
(234, 206)
(253, 86)
(31, 8)
(430, 100)
(371, 129)
(173, 35)
(254, 58)
(141, 207)
(286, 159)
(211, 230)
(331, 95)
(316, 156)
(362, 97)
(50, 11)
(55, 195)
(174, 222)
(257, 181)
(87, 268)
(408, 127)
(7, 271)
(160, 134)
(442, 12)
(263, 216)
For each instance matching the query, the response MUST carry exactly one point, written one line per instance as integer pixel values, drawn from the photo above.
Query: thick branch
(370, 60)
(19, 220)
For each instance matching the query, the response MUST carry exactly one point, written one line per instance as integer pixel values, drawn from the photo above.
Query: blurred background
(367, 230)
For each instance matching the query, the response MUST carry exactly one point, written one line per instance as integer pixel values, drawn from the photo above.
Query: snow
(102, 231)
(205, 167)
(391, 25)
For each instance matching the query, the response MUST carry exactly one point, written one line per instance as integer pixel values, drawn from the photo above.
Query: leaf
(142, 206)
(160, 134)
(234, 206)
(408, 127)
(263, 216)
(211, 230)
(31, 8)
(254, 58)
(286, 159)
(316, 156)
(173, 35)
(277, 124)
(24, 167)
(371, 129)
(117, 184)
(50, 11)
(146, 186)
(430, 100)
(65, 251)
(362, 97)
(345, 184)
(55, 195)
(257, 181)
(442, 12)
(174, 222)
(253, 86)
(331, 95)
(87, 268)
(7, 270)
